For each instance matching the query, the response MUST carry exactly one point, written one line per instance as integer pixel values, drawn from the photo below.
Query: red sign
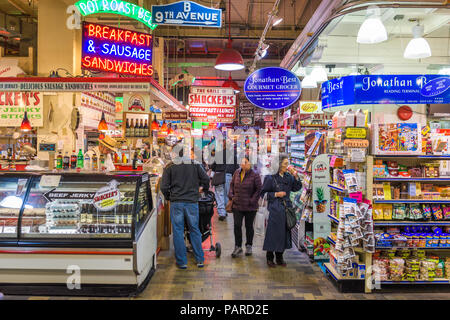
(110, 49)
(213, 114)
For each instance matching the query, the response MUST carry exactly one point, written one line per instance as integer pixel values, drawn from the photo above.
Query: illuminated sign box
(110, 49)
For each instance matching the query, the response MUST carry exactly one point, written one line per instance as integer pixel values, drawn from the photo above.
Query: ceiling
(337, 45)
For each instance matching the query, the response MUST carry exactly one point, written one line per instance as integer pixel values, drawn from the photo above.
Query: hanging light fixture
(164, 128)
(155, 124)
(230, 83)
(309, 82)
(25, 125)
(319, 74)
(102, 125)
(276, 20)
(229, 59)
(170, 130)
(372, 30)
(418, 47)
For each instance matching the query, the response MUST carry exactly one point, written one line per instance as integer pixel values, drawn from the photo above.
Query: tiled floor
(248, 277)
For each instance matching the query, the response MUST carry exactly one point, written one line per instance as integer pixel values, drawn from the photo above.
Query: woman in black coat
(278, 188)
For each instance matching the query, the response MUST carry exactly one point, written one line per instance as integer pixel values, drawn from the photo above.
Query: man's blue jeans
(189, 211)
(228, 178)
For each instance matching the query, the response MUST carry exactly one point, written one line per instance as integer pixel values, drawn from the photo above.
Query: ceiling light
(155, 124)
(319, 74)
(230, 83)
(276, 20)
(418, 47)
(372, 29)
(309, 82)
(25, 125)
(102, 125)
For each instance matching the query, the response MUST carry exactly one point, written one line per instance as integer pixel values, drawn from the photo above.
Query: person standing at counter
(180, 185)
(146, 154)
(107, 147)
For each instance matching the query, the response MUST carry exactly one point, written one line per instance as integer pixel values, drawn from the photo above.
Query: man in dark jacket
(180, 185)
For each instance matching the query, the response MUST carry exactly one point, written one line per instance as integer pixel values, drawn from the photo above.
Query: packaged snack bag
(446, 212)
(387, 212)
(415, 212)
(437, 212)
(399, 212)
(426, 211)
(377, 212)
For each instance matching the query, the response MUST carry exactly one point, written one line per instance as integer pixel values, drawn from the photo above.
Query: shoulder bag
(291, 216)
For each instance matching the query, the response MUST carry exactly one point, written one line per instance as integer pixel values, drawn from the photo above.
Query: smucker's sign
(14, 104)
(108, 197)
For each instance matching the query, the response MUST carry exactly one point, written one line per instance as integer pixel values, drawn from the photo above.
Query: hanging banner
(14, 104)
(187, 13)
(123, 8)
(121, 51)
(136, 103)
(87, 85)
(211, 97)
(386, 89)
(272, 88)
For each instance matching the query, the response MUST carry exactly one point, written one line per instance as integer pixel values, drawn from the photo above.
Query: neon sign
(116, 50)
(123, 8)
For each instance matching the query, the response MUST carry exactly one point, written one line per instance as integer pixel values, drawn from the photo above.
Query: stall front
(79, 230)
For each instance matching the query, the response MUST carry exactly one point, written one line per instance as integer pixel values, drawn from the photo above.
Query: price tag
(357, 155)
(26, 229)
(48, 181)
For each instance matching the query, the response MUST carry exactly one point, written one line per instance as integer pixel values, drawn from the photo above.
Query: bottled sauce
(80, 160)
(127, 129)
(59, 161)
(146, 128)
(73, 160)
(132, 128)
(66, 161)
(87, 162)
(94, 162)
(135, 158)
(124, 157)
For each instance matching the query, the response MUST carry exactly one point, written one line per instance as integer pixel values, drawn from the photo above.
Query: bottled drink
(80, 160)
(132, 128)
(146, 128)
(59, 161)
(66, 161)
(102, 162)
(87, 162)
(127, 129)
(135, 161)
(73, 160)
(94, 162)
(140, 129)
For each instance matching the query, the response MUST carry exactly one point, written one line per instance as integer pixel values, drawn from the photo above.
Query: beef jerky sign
(14, 104)
(108, 197)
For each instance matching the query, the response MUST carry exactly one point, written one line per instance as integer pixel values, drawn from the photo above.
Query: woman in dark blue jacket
(278, 188)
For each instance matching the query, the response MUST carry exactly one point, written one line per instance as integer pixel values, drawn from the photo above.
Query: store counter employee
(107, 147)
(146, 154)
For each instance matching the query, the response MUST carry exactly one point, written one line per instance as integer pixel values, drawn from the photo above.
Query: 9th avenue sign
(187, 13)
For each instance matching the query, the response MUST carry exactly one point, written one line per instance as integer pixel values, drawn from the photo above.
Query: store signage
(127, 9)
(108, 197)
(213, 114)
(355, 133)
(246, 115)
(187, 13)
(272, 88)
(356, 143)
(211, 97)
(137, 102)
(175, 115)
(309, 107)
(14, 104)
(386, 89)
(78, 86)
(121, 51)
(53, 195)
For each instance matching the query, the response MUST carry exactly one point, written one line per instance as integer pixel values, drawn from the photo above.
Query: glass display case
(74, 206)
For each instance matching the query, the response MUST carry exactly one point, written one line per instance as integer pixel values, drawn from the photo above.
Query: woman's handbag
(291, 216)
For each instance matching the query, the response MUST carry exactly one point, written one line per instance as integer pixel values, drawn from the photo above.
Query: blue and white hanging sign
(272, 88)
(386, 89)
(187, 13)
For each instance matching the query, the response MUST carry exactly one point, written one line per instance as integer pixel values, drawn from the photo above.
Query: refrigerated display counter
(76, 233)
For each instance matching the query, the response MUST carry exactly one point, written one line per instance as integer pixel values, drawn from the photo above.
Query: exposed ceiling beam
(303, 4)
(250, 11)
(21, 7)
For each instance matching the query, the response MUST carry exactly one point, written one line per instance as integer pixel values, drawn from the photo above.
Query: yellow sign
(310, 107)
(356, 133)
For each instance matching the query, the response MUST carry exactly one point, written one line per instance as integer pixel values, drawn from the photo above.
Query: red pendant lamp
(229, 59)
(170, 130)
(155, 124)
(25, 125)
(163, 130)
(102, 125)
(230, 83)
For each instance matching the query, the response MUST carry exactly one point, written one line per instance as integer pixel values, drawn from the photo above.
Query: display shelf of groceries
(431, 157)
(396, 179)
(412, 201)
(434, 281)
(332, 218)
(410, 223)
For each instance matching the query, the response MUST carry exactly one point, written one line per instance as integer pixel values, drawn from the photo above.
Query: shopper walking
(180, 185)
(278, 188)
(218, 180)
(245, 189)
